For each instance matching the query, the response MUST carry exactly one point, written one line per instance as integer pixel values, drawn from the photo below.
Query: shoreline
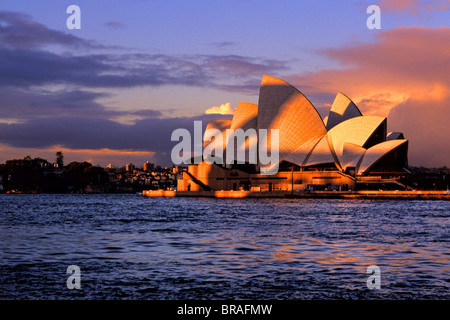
(363, 194)
(229, 194)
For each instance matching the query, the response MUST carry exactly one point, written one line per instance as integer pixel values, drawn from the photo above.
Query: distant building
(177, 170)
(110, 166)
(130, 167)
(341, 152)
(149, 166)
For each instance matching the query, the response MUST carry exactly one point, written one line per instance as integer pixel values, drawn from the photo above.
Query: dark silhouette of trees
(78, 175)
(24, 175)
(38, 175)
(59, 159)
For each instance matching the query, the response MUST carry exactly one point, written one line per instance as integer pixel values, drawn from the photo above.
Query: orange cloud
(411, 60)
(104, 151)
(404, 72)
(222, 109)
(102, 156)
(399, 5)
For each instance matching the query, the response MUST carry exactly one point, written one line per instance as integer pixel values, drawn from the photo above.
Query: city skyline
(113, 91)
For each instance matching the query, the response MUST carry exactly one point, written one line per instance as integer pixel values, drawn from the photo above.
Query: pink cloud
(403, 74)
(410, 61)
(400, 5)
(414, 7)
(426, 125)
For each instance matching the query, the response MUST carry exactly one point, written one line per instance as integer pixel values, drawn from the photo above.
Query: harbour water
(132, 247)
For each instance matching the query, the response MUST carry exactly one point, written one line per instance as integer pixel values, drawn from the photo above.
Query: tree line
(40, 176)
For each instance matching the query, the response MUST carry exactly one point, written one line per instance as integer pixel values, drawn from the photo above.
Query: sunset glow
(115, 89)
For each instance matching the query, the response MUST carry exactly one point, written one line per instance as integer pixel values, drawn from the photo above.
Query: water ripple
(130, 247)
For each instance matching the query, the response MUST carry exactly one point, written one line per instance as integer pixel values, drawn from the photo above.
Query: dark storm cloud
(151, 134)
(24, 68)
(26, 61)
(18, 30)
(17, 103)
(56, 95)
(147, 113)
(25, 104)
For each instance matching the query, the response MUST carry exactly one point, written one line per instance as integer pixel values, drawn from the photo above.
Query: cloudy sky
(114, 90)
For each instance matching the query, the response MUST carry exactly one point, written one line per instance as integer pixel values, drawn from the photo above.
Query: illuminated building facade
(344, 151)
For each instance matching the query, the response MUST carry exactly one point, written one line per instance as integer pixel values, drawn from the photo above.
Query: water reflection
(232, 249)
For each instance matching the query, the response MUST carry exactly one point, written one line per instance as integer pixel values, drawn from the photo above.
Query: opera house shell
(344, 151)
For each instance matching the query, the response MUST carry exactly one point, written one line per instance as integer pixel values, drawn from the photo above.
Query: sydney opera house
(344, 151)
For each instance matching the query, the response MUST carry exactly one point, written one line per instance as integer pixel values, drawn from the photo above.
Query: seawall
(368, 194)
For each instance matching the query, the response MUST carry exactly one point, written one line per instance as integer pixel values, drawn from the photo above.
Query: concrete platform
(410, 195)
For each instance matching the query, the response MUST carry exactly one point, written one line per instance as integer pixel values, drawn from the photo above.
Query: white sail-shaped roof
(395, 135)
(358, 130)
(283, 107)
(377, 152)
(320, 154)
(342, 109)
(208, 140)
(344, 137)
(245, 117)
(351, 155)
(300, 154)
